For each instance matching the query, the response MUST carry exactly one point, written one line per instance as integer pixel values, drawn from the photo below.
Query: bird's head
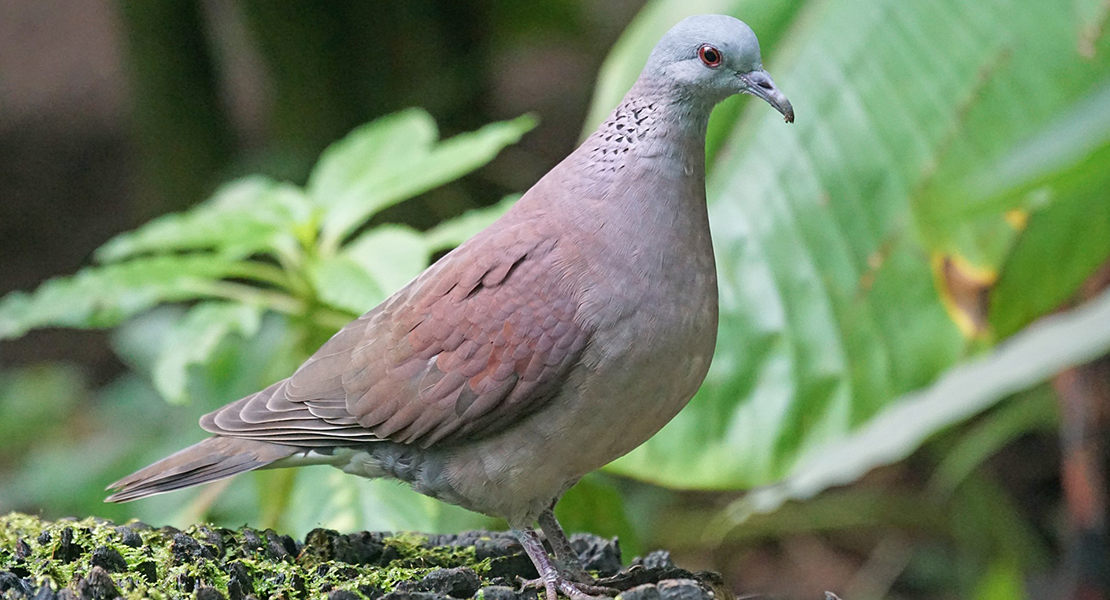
(714, 57)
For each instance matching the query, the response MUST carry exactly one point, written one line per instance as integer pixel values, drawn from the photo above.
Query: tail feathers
(215, 458)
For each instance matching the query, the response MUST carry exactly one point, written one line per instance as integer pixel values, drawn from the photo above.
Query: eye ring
(710, 56)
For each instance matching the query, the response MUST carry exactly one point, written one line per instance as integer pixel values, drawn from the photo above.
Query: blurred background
(910, 392)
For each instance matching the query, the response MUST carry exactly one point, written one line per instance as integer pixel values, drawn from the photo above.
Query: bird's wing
(483, 338)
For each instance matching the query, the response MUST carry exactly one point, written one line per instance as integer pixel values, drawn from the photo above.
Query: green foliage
(325, 497)
(1002, 581)
(1062, 171)
(597, 506)
(249, 216)
(258, 247)
(1050, 346)
(395, 158)
(935, 148)
(162, 564)
(106, 296)
(70, 440)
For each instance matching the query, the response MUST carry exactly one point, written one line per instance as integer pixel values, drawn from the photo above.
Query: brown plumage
(460, 349)
(482, 338)
(214, 458)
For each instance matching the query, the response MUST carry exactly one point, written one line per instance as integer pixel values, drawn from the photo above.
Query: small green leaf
(451, 233)
(370, 154)
(104, 296)
(366, 193)
(370, 268)
(342, 283)
(391, 254)
(250, 215)
(194, 338)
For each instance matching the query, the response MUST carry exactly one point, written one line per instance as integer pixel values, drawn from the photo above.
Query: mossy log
(94, 559)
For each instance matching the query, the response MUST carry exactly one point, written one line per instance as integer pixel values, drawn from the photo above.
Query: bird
(554, 341)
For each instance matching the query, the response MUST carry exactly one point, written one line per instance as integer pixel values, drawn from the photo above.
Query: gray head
(714, 57)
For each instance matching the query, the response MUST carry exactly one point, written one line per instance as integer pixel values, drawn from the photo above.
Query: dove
(554, 341)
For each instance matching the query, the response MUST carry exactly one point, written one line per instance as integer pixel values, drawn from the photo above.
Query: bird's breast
(651, 304)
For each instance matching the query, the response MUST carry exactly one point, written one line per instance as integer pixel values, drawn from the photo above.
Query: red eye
(710, 56)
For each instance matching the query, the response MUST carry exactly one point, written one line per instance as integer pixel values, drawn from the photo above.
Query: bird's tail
(217, 457)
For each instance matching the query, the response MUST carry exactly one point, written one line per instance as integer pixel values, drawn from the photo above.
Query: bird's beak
(759, 84)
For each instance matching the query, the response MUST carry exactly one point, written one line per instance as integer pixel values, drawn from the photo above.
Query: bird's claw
(575, 590)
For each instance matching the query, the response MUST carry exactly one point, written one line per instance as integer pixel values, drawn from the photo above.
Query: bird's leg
(564, 552)
(551, 579)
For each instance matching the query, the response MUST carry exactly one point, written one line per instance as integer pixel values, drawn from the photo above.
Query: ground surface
(99, 560)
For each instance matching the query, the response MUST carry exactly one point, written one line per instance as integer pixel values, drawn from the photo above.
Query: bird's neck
(642, 170)
(655, 138)
(641, 178)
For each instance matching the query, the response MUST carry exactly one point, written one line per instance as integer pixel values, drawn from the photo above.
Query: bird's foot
(555, 578)
(575, 590)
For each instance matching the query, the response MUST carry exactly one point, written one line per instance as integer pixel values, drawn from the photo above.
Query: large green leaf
(1051, 345)
(840, 239)
(1093, 17)
(105, 296)
(1062, 172)
(395, 158)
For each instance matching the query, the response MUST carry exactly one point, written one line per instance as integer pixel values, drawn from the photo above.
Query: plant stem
(251, 269)
(245, 294)
(331, 319)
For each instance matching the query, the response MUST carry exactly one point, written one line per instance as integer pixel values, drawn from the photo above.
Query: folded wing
(483, 338)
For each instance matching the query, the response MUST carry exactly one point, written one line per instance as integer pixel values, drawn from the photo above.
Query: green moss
(143, 562)
(168, 563)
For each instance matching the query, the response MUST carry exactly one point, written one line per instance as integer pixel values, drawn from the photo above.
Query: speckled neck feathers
(656, 128)
(629, 125)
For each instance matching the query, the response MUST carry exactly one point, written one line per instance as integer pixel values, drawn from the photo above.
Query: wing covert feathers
(482, 338)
